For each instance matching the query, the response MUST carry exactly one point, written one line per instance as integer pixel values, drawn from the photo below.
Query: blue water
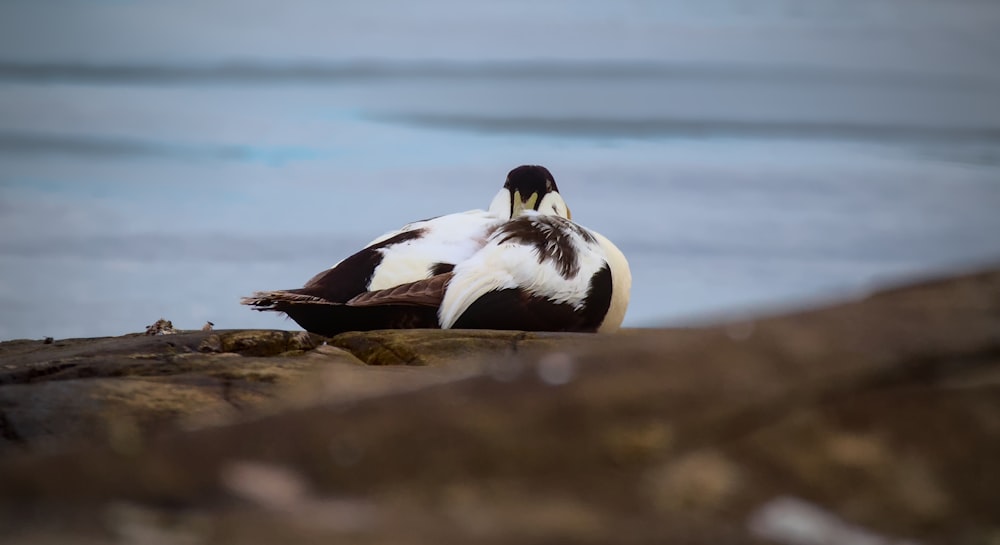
(163, 159)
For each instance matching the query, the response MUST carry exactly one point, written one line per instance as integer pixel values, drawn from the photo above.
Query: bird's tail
(281, 300)
(323, 317)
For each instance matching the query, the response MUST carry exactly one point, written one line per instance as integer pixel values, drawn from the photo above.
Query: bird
(522, 264)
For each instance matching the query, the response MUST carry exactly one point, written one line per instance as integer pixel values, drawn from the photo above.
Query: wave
(24, 142)
(211, 246)
(255, 72)
(695, 128)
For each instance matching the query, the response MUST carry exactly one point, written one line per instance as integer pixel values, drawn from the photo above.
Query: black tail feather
(322, 317)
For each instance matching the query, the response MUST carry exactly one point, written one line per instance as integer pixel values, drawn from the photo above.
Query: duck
(521, 264)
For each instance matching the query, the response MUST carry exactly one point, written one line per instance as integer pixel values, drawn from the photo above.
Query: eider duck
(523, 264)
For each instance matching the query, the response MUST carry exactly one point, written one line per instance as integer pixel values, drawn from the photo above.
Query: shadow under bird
(523, 264)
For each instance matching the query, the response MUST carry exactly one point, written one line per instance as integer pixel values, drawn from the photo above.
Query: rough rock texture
(115, 388)
(871, 422)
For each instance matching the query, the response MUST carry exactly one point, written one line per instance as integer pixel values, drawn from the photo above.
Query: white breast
(621, 281)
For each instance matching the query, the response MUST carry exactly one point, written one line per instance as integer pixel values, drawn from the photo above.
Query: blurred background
(162, 159)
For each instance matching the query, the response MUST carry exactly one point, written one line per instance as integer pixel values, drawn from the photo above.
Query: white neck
(500, 206)
(554, 204)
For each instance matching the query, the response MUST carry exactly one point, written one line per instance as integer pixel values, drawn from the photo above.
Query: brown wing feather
(428, 292)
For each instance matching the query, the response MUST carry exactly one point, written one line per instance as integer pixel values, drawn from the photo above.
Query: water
(163, 159)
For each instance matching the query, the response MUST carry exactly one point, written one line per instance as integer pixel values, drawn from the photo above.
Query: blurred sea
(161, 159)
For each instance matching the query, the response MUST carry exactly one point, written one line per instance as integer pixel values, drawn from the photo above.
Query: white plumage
(447, 239)
(522, 264)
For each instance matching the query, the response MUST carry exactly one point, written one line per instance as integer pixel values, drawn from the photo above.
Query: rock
(874, 421)
(96, 388)
(444, 347)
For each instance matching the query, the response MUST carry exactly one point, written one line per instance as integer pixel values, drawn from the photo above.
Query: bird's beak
(569, 214)
(520, 204)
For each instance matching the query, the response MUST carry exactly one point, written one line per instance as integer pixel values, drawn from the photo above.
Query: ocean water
(163, 159)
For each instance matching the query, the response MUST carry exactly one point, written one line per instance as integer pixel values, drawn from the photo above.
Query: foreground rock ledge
(119, 389)
(875, 419)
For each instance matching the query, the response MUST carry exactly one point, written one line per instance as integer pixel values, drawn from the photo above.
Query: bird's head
(529, 187)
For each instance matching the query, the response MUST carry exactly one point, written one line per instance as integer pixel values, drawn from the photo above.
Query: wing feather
(427, 292)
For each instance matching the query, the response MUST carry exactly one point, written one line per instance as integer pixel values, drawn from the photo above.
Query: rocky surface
(870, 422)
(113, 388)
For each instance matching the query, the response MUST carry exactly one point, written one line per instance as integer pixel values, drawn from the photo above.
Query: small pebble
(161, 327)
